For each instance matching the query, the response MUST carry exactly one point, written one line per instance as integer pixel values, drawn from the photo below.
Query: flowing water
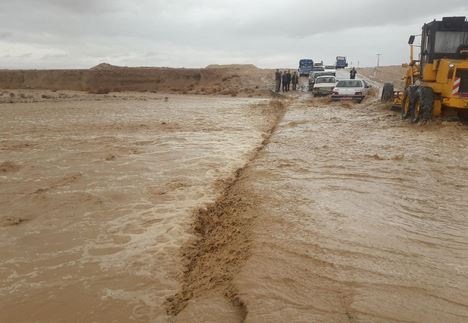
(96, 199)
(361, 217)
(343, 213)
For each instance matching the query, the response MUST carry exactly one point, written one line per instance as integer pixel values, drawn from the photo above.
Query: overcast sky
(184, 33)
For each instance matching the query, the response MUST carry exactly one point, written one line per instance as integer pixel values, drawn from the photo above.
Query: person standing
(289, 79)
(352, 73)
(295, 81)
(278, 80)
(284, 80)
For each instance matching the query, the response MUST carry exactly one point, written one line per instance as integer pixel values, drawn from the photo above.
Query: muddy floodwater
(197, 209)
(362, 217)
(96, 198)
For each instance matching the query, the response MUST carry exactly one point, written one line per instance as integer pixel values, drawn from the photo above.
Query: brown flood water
(360, 217)
(96, 199)
(343, 213)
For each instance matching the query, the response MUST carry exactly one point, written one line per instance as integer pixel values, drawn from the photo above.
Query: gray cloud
(70, 33)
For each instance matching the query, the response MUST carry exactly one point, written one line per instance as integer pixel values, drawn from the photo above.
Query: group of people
(285, 79)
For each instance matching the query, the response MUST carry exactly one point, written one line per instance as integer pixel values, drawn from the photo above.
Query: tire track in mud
(222, 233)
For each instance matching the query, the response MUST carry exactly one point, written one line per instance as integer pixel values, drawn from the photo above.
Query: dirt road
(206, 210)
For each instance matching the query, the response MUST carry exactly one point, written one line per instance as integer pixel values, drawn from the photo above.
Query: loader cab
(444, 39)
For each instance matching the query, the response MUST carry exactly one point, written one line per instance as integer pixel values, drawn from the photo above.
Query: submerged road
(353, 215)
(322, 212)
(360, 217)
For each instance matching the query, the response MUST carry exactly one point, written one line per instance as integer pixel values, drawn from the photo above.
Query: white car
(324, 85)
(313, 76)
(330, 68)
(350, 90)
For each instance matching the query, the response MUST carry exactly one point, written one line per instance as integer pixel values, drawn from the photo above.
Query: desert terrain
(200, 196)
(385, 74)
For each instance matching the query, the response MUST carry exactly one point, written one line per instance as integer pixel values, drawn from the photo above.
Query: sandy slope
(385, 74)
(232, 80)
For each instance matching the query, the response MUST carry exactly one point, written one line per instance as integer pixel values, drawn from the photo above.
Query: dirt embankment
(233, 80)
(385, 74)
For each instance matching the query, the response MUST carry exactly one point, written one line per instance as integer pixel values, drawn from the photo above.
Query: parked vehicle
(350, 90)
(324, 85)
(322, 72)
(305, 67)
(341, 62)
(330, 68)
(436, 82)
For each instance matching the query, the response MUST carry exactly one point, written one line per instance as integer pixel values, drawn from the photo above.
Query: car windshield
(323, 73)
(330, 67)
(448, 42)
(326, 80)
(350, 83)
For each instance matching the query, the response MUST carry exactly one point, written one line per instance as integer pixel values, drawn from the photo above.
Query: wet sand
(97, 197)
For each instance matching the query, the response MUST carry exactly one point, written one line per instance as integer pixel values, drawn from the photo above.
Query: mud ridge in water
(222, 234)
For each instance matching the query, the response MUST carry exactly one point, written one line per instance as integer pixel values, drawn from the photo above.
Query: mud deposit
(97, 199)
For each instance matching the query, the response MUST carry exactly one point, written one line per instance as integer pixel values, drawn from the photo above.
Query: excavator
(437, 82)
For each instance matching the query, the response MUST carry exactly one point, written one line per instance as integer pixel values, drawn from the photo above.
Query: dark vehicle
(341, 62)
(305, 67)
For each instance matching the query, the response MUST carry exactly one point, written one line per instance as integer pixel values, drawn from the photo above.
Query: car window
(326, 80)
(349, 83)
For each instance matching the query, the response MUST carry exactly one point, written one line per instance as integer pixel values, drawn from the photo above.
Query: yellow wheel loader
(438, 81)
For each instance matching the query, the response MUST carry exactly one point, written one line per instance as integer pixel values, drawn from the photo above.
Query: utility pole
(378, 64)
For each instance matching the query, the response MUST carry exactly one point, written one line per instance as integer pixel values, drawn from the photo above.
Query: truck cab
(305, 67)
(341, 62)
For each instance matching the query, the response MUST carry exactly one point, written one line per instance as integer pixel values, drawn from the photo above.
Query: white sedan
(324, 85)
(350, 90)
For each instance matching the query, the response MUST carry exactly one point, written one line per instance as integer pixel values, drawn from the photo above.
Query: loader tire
(407, 103)
(387, 92)
(423, 104)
